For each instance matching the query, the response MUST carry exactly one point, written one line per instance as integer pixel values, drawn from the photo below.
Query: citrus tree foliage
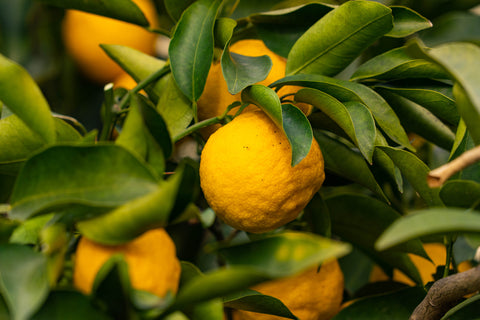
(395, 92)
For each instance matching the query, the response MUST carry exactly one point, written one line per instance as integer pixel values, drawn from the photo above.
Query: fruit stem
(195, 127)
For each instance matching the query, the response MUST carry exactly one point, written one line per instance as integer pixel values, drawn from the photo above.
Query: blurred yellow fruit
(311, 295)
(152, 262)
(436, 252)
(84, 32)
(247, 177)
(215, 98)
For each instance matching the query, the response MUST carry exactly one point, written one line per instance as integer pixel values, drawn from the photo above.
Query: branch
(445, 293)
(437, 177)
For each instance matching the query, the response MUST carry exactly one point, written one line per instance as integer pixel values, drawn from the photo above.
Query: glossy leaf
(283, 254)
(461, 193)
(280, 29)
(173, 106)
(436, 97)
(191, 47)
(396, 305)
(298, 131)
(398, 64)
(331, 44)
(254, 301)
(360, 220)
(344, 91)
(29, 105)
(415, 171)
(346, 163)
(60, 303)
(451, 27)
(241, 71)
(428, 222)
(23, 280)
(459, 60)
(416, 118)
(287, 117)
(125, 10)
(152, 210)
(102, 175)
(19, 142)
(137, 64)
(406, 22)
(354, 118)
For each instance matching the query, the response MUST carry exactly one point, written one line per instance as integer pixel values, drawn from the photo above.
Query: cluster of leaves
(375, 74)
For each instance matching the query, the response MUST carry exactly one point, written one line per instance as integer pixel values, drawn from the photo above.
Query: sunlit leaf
(344, 91)
(427, 222)
(191, 47)
(152, 210)
(459, 60)
(23, 280)
(102, 175)
(331, 44)
(125, 10)
(29, 105)
(398, 64)
(406, 22)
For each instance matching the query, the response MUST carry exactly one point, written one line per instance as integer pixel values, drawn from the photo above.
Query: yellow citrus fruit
(247, 177)
(427, 269)
(215, 98)
(84, 32)
(152, 262)
(311, 295)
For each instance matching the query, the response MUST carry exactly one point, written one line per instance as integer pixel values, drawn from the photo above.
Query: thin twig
(437, 177)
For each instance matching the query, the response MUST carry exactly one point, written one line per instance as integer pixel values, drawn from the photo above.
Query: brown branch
(437, 177)
(446, 293)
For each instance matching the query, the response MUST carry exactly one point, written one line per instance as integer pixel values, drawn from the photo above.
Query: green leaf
(241, 71)
(459, 60)
(223, 32)
(125, 10)
(460, 193)
(353, 117)
(406, 22)
(467, 309)
(175, 8)
(331, 44)
(396, 305)
(101, 175)
(360, 220)
(451, 27)
(415, 171)
(7, 227)
(60, 303)
(137, 64)
(397, 64)
(382, 161)
(346, 163)
(28, 232)
(287, 117)
(254, 301)
(29, 105)
(283, 254)
(191, 47)
(416, 118)
(19, 142)
(344, 91)
(173, 106)
(153, 210)
(23, 280)
(428, 222)
(112, 288)
(436, 97)
(280, 29)
(208, 310)
(463, 143)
